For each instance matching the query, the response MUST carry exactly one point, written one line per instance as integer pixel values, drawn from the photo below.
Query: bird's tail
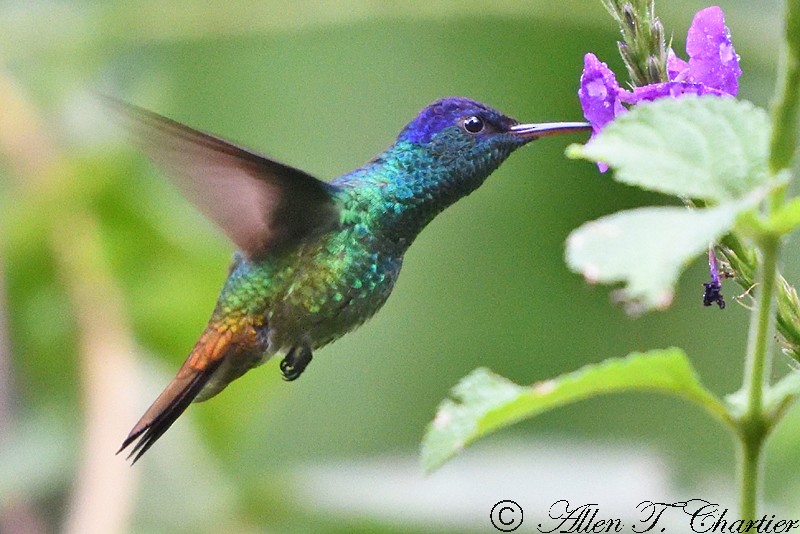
(206, 357)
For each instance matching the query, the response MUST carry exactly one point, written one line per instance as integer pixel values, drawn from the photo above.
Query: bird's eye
(473, 124)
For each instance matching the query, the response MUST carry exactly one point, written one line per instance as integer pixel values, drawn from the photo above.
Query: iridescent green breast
(322, 288)
(332, 286)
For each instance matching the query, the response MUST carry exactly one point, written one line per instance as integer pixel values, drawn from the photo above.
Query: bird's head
(470, 138)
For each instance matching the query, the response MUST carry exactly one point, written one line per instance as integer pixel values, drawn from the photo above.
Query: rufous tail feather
(195, 373)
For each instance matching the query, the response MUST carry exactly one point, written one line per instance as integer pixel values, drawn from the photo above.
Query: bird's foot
(295, 362)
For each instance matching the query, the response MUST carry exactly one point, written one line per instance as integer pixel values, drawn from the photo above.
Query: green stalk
(783, 143)
(782, 149)
(754, 426)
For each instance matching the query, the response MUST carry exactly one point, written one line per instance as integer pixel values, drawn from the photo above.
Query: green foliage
(484, 402)
(708, 148)
(710, 151)
(647, 248)
(785, 219)
(324, 89)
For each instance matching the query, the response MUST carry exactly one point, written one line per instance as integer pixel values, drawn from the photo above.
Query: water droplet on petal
(726, 52)
(596, 89)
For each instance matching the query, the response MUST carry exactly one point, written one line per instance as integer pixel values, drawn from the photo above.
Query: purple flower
(654, 91)
(712, 291)
(712, 69)
(712, 60)
(599, 93)
(676, 67)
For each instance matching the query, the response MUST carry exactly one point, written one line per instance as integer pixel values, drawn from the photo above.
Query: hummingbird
(314, 259)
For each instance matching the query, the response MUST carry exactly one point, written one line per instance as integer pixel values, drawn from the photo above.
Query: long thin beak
(545, 129)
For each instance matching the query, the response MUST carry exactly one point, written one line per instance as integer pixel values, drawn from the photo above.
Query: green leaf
(646, 248)
(786, 218)
(707, 148)
(484, 402)
(779, 397)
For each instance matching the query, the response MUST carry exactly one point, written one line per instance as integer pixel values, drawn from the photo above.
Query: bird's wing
(260, 204)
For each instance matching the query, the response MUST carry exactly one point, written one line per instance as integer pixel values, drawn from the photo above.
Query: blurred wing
(261, 205)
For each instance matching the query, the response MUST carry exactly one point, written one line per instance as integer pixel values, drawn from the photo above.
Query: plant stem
(750, 461)
(754, 426)
(761, 327)
(783, 144)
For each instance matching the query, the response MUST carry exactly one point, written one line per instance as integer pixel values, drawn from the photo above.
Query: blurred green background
(109, 275)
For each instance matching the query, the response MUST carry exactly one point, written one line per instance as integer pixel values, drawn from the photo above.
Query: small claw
(295, 362)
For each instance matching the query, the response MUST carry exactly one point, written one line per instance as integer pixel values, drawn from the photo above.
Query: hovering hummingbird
(315, 259)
